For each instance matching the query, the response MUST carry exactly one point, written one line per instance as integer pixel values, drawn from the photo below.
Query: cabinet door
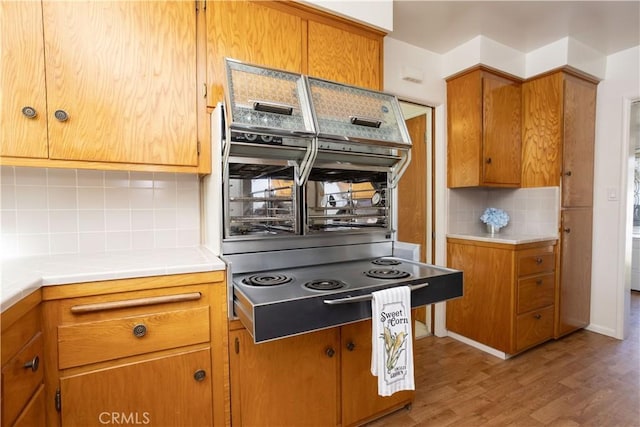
(252, 32)
(542, 131)
(33, 414)
(485, 312)
(360, 400)
(344, 56)
(579, 142)
(286, 382)
(22, 80)
(464, 130)
(159, 391)
(124, 73)
(575, 271)
(501, 136)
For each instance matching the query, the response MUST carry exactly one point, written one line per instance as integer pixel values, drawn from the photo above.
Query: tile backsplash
(66, 211)
(531, 210)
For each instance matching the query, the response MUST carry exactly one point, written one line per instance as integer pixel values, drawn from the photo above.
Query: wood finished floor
(584, 379)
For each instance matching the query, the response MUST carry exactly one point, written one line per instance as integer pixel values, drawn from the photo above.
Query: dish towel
(392, 340)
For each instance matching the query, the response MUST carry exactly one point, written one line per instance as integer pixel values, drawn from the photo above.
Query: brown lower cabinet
(509, 293)
(321, 378)
(149, 351)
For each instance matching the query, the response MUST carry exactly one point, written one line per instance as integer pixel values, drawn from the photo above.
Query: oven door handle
(368, 297)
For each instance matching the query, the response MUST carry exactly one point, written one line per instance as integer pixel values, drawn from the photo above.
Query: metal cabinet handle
(567, 230)
(538, 260)
(366, 297)
(568, 173)
(538, 316)
(33, 364)
(61, 115)
(539, 282)
(351, 346)
(330, 352)
(29, 112)
(139, 330)
(200, 375)
(488, 160)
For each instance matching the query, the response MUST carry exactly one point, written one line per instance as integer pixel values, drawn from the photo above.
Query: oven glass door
(260, 199)
(346, 200)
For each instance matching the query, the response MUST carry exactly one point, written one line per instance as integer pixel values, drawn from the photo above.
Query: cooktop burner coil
(266, 279)
(387, 273)
(324, 285)
(386, 261)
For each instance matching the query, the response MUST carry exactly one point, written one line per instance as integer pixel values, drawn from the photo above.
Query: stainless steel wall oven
(301, 202)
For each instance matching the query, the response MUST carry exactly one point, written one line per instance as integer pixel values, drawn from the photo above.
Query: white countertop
(21, 276)
(508, 238)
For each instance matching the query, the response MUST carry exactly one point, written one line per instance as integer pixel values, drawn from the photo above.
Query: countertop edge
(505, 238)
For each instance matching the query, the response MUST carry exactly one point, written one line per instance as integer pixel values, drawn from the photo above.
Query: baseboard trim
(492, 351)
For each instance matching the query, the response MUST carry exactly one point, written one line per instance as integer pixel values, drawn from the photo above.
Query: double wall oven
(301, 202)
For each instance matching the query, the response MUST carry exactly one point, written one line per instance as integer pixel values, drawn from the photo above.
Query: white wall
(622, 83)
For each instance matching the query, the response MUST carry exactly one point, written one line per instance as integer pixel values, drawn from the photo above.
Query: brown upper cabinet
(107, 82)
(484, 129)
(292, 37)
(559, 135)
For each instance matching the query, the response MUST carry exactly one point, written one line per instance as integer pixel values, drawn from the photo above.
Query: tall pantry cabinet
(558, 150)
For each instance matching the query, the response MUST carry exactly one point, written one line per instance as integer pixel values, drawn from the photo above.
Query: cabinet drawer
(108, 339)
(534, 327)
(21, 376)
(536, 263)
(535, 292)
(33, 414)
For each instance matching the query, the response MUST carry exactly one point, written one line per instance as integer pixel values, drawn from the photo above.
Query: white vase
(492, 229)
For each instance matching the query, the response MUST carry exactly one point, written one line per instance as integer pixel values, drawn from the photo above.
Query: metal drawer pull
(538, 260)
(351, 346)
(367, 297)
(139, 330)
(539, 282)
(538, 316)
(273, 107)
(61, 115)
(365, 121)
(330, 352)
(138, 302)
(33, 364)
(29, 112)
(200, 375)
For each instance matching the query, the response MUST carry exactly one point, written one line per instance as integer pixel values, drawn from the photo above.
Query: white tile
(187, 218)
(33, 221)
(63, 221)
(31, 197)
(30, 176)
(118, 220)
(164, 219)
(188, 238)
(116, 179)
(116, 198)
(8, 197)
(8, 222)
(188, 197)
(165, 239)
(33, 244)
(63, 243)
(142, 219)
(142, 239)
(90, 198)
(61, 178)
(62, 197)
(8, 245)
(91, 220)
(164, 198)
(141, 198)
(91, 242)
(141, 179)
(164, 180)
(7, 175)
(187, 181)
(118, 241)
(90, 178)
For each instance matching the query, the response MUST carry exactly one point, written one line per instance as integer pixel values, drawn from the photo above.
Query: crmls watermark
(122, 418)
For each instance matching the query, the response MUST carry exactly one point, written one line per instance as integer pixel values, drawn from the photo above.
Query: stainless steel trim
(395, 175)
(368, 297)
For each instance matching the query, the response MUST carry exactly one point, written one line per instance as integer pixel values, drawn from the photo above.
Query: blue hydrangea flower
(496, 217)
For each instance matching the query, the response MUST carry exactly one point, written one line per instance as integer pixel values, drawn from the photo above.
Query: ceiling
(439, 26)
